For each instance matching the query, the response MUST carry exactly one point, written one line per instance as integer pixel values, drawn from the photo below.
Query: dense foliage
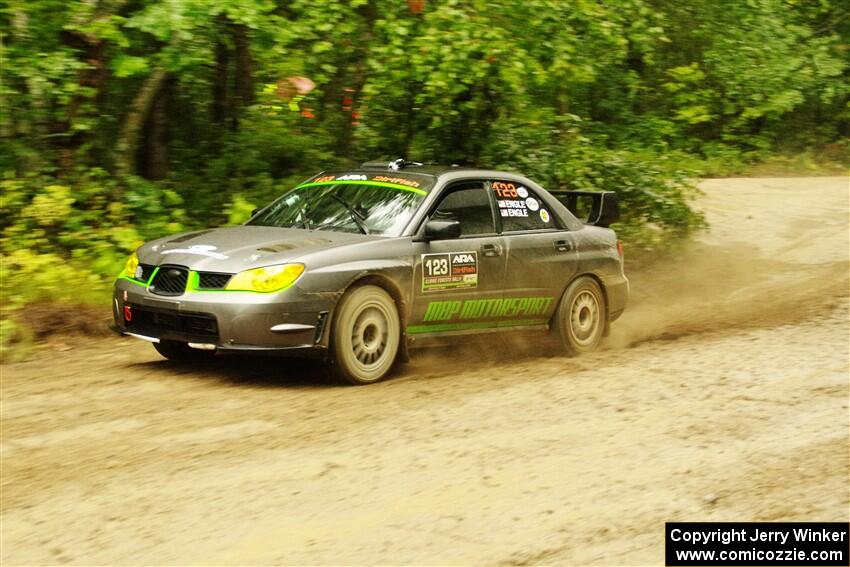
(121, 120)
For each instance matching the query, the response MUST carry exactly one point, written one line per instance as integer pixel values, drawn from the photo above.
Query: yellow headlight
(130, 266)
(267, 279)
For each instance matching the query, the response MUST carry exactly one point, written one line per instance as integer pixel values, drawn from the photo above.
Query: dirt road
(722, 395)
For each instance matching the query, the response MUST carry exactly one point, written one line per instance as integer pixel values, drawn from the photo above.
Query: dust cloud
(721, 289)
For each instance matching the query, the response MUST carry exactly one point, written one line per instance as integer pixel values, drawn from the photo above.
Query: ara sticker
(544, 215)
(532, 203)
(452, 270)
(522, 192)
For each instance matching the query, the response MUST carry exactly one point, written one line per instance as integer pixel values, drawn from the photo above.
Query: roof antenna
(400, 163)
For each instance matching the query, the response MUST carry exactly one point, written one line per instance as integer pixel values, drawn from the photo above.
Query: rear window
(521, 208)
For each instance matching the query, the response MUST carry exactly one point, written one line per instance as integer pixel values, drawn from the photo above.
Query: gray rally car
(358, 266)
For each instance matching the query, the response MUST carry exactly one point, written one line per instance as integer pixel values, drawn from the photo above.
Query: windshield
(367, 207)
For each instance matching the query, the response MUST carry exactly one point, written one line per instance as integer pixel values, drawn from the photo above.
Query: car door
(541, 256)
(458, 281)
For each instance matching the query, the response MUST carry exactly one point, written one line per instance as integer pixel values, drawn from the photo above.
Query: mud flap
(403, 354)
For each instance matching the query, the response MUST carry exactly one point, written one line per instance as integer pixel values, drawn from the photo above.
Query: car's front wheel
(366, 335)
(176, 351)
(580, 320)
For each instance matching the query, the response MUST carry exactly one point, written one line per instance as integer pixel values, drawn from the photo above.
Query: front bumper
(227, 321)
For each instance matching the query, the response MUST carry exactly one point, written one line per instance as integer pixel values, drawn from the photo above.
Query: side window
(520, 207)
(469, 205)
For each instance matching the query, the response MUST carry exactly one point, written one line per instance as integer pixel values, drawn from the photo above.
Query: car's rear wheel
(366, 335)
(580, 320)
(176, 351)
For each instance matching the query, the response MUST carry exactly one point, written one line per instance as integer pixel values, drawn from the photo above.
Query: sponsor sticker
(544, 215)
(512, 208)
(396, 180)
(514, 201)
(475, 309)
(451, 270)
(361, 177)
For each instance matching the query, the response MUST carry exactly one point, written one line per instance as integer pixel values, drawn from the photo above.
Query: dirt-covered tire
(365, 336)
(580, 321)
(176, 351)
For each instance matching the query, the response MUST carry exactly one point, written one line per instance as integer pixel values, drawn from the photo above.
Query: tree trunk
(128, 142)
(5, 115)
(93, 52)
(220, 91)
(244, 85)
(229, 96)
(154, 155)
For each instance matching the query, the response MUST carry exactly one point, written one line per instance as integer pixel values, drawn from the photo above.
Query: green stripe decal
(371, 183)
(140, 282)
(441, 327)
(131, 280)
(194, 282)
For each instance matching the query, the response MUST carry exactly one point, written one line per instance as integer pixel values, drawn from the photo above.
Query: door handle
(491, 250)
(563, 245)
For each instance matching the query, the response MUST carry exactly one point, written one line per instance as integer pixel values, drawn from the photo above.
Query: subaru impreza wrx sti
(360, 266)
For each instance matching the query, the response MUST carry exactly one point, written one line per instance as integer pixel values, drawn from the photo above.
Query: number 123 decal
(451, 270)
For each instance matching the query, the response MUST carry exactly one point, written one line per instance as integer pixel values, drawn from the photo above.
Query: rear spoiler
(596, 208)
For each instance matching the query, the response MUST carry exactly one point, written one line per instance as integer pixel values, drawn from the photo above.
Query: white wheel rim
(369, 335)
(584, 318)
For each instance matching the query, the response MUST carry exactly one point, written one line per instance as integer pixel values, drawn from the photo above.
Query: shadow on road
(251, 371)
(278, 372)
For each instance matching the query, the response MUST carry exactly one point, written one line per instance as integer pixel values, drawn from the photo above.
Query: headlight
(131, 266)
(267, 279)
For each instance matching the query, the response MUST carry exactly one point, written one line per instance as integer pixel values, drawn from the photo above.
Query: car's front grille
(169, 280)
(212, 280)
(156, 322)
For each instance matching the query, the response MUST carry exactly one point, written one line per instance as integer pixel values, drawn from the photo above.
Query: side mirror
(440, 230)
